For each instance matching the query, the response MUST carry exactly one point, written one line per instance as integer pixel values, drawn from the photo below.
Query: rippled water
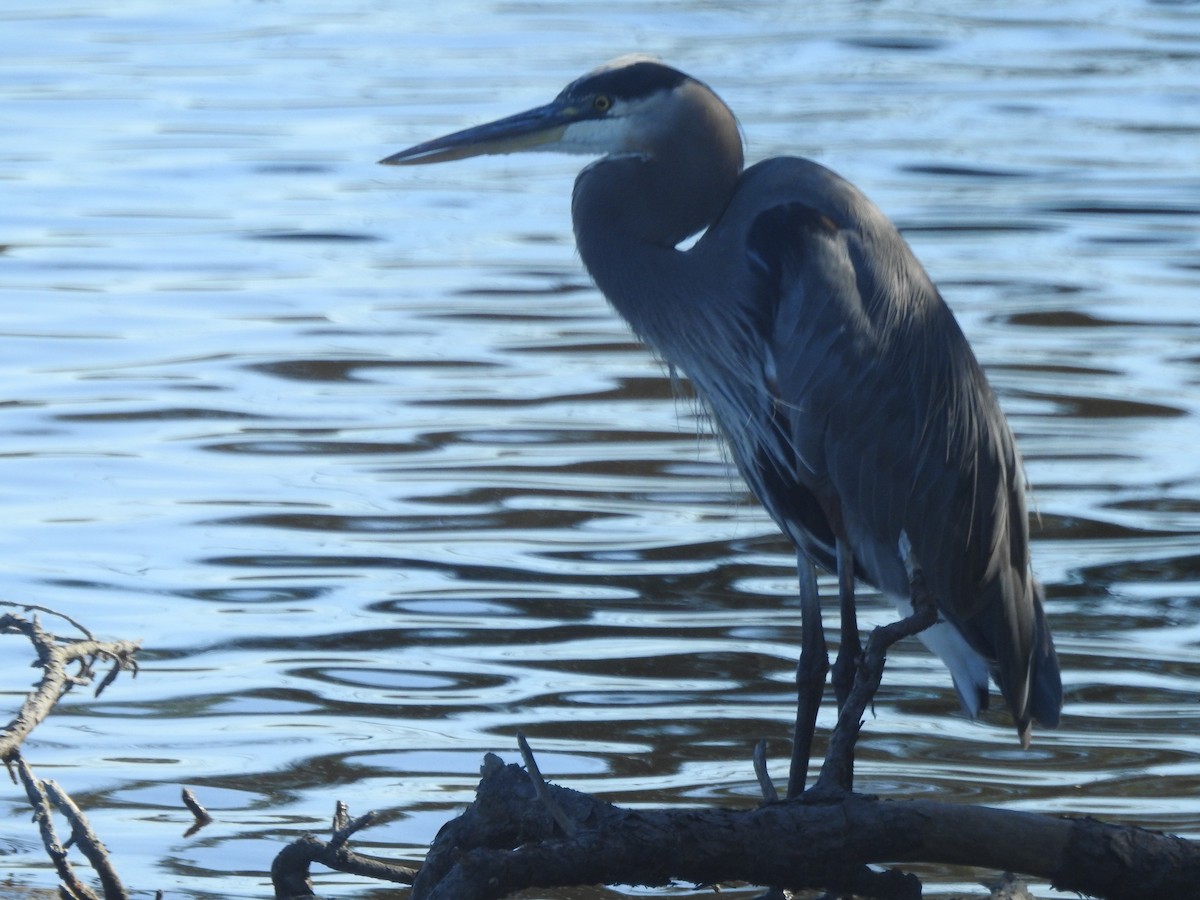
(379, 480)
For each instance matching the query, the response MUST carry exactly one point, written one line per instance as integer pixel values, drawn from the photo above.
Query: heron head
(631, 106)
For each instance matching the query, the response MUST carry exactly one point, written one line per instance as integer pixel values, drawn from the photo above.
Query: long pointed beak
(530, 130)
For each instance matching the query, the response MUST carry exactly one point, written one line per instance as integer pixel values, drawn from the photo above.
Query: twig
(197, 810)
(42, 814)
(344, 826)
(33, 607)
(199, 813)
(56, 656)
(770, 795)
(341, 815)
(290, 868)
(539, 786)
(87, 842)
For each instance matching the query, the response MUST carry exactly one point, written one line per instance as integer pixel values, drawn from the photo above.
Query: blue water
(379, 480)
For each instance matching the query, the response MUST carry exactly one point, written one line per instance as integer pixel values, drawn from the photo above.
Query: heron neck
(629, 215)
(638, 276)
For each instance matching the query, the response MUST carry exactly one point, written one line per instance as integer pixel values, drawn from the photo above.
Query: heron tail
(1036, 697)
(1045, 686)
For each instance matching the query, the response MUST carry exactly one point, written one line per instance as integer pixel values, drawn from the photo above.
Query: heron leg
(837, 773)
(810, 675)
(850, 651)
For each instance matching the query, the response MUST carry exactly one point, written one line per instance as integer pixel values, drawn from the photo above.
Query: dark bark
(506, 840)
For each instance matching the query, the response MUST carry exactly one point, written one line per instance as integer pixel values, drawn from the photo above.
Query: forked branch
(65, 663)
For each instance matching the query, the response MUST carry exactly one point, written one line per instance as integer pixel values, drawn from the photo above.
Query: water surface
(379, 479)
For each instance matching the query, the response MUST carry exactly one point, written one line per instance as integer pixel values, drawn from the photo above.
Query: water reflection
(379, 480)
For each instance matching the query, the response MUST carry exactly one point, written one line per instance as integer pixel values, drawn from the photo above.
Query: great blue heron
(853, 405)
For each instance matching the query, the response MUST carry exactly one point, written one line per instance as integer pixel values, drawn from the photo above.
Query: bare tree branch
(43, 815)
(88, 843)
(290, 868)
(65, 663)
(56, 656)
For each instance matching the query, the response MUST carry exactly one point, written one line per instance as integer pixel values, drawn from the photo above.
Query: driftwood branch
(506, 841)
(512, 836)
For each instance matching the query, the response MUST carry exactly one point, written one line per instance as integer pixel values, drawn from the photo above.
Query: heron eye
(601, 103)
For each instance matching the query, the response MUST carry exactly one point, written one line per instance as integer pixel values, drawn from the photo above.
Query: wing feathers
(884, 408)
